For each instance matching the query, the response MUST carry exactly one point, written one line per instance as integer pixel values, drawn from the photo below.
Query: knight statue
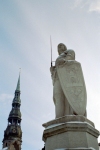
(69, 91)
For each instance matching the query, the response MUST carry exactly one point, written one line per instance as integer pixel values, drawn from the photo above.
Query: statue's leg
(58, 99)
(85, 114)
(68, 109)
(59, 106)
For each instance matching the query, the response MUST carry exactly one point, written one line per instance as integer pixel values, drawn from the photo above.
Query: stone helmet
(59, 46)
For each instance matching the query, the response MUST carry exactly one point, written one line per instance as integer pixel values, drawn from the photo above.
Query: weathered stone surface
(70, 135)
(71, 130)
(68, 118)
(73, 85)
(69, 92)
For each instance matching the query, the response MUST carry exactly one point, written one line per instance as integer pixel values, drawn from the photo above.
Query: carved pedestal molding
(70, 132)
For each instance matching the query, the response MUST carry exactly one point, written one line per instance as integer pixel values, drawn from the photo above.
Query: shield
(73, 85)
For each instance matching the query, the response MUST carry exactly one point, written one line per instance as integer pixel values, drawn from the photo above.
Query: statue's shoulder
(71, 52)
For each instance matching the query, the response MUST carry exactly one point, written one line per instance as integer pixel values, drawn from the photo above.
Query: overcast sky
(25, 29)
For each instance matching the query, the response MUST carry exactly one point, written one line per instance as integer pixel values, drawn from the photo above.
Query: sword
(51, 49)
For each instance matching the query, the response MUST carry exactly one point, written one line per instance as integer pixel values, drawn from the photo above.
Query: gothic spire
(18, 84)
(13, 132)
(17, 93)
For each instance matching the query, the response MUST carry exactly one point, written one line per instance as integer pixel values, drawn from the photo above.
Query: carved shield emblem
(73, 85)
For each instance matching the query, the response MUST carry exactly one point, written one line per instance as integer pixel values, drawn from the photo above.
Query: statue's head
(61, 48)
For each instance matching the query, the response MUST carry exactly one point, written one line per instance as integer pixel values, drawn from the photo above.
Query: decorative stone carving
(69, 92)
(70, 135)
(71, 130)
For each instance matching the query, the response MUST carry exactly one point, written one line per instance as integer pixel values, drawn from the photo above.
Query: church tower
(13, 132)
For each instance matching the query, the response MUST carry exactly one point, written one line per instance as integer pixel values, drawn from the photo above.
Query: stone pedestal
(70, 132)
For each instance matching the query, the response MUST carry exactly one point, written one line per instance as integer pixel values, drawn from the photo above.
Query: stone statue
(69, 92)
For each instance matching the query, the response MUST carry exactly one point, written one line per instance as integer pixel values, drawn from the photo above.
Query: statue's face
(61, 48)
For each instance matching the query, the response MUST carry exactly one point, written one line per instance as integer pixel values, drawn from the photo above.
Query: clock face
(14, 130)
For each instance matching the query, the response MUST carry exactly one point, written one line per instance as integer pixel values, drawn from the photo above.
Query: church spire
(17, 93)
(13, 131)
(18, 84)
